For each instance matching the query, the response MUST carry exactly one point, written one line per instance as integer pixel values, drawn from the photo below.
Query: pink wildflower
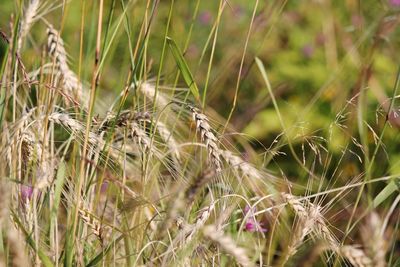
(26, 192)
(252, 225)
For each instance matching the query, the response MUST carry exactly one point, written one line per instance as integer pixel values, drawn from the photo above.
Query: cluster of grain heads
(76, 128)
(201, 219)
(29, 16)
(56, 48)
(139, 136)
(309, 220)
(168, 199)
(208, 137)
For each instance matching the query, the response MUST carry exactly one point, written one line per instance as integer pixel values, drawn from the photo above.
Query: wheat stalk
(227, 244)
(4, 202)
(310, 220)
(27, 20)
(150, 92)
(201, 219)
(91, 221)
(140, 135)
(356, 256)
(56, 48)
(208, 137)
(240, 165)
(374, 241)
(17, 248)
(203, 178)
(168, 138)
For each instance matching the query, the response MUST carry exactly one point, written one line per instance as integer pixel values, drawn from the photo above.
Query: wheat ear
(310, 220)
(91, 221)
(56, 48)
(228, 245)
(374, 241)
(240, 165)
(202, 179)
(208, 137)
(149, 91)
(169, 139)
(356, 256)
(28, 19)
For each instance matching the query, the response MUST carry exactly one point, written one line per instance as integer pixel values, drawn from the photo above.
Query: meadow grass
(168, 133)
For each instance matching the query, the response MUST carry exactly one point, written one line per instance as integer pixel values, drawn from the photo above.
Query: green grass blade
(183, 67)
(4, 52)
(386, 192)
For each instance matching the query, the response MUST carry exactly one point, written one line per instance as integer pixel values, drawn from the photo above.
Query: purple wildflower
(252, 225)
(26, 192)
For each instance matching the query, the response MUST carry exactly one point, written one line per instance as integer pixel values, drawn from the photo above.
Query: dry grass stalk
(140, 135)
(4, 202)
(91, 221)
(169, 139)
(201, 219)
(149, 91)
(374, 241)
(28, 18)
(208, 137)
(75, 126)
(227, 244)
(45, 170)
(17, 249)
(310, 220)
(125, 116)
(356, 256)
(202, 179)
(56, 48)
(240, 165)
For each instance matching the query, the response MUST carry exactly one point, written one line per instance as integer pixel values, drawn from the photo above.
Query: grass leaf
(183, 67)
(385, 193)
